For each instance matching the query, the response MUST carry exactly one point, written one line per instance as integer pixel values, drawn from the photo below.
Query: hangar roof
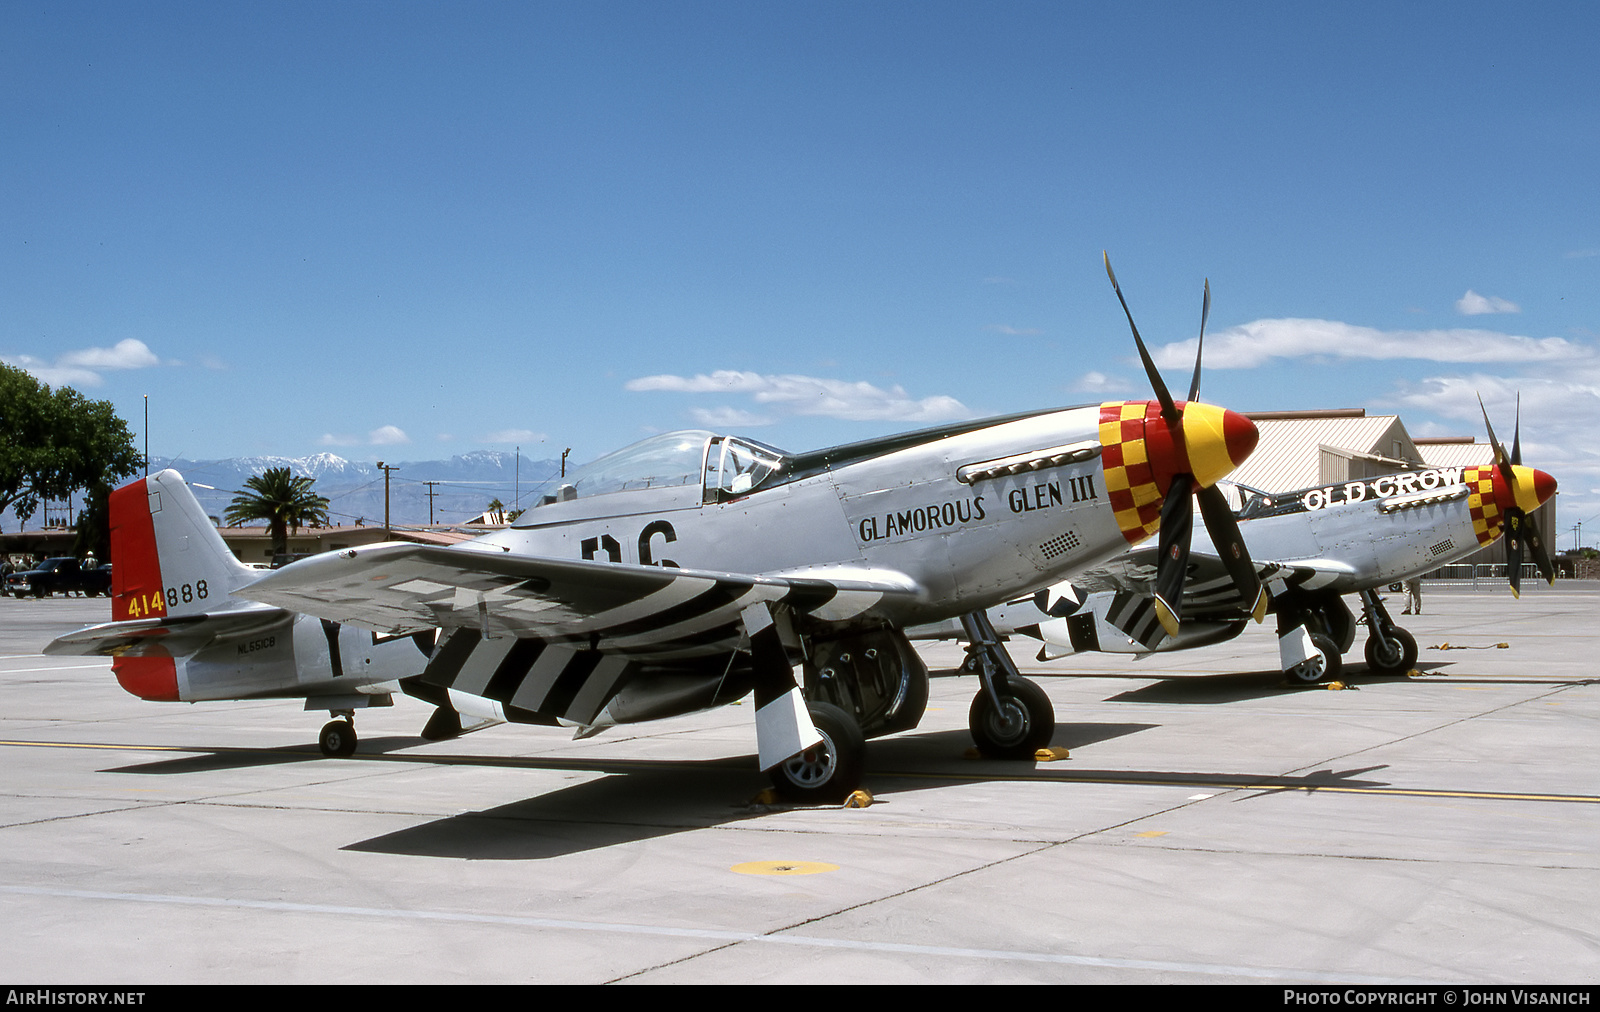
(1455, 452)
(1297, 448)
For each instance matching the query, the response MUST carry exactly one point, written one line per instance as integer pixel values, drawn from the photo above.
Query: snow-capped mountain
(461, 487)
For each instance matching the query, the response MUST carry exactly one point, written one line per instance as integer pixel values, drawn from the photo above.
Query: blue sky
(404, 230)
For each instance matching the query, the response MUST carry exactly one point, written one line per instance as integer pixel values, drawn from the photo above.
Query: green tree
(94, 525)
(283, 501)
(53, 442)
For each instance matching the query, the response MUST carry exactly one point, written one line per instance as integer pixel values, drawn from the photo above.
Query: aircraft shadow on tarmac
(1239, 686)
(658, 799)
(211, 758)
(1235, 687)
(634, 800)
(643, 800)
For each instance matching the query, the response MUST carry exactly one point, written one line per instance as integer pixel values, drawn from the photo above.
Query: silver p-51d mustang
(1310, 547)
(693, 568)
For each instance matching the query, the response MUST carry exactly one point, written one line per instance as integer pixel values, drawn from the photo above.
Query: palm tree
(283, 501)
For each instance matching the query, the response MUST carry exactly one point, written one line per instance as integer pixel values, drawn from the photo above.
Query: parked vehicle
(62, 575)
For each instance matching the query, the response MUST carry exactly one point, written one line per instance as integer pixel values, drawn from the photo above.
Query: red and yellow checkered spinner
(1491, 497)
(1141, 454)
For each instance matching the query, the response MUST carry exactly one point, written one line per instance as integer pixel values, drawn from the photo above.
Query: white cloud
(810, 395)
(388, 435)
(125, 354)
(83, 368)
(721, 381)
(1473, 304)
(1001, 328)
(383, 435)
(515, 436)
(727, 418)
(1100, 383)
(52, 375)
(1253, 344)
(1568, 403)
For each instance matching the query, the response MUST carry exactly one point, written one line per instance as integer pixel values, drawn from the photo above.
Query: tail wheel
(338, 739)
(1393, 654)
(1022, 727)
(827, 772)
(1324, 666)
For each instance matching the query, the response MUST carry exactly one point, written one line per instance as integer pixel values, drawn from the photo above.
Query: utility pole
(386, 469)
(430, 485)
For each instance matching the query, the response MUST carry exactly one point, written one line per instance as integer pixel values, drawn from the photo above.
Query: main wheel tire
(1321, 668)
(338, 739)
(1026, 725)
(1394, 655)
(827, 772)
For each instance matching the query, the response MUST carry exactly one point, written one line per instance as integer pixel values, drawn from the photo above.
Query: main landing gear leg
(1011, 717)
(338, 737)
(1309, 629)
(814, 752)
(1390, 649)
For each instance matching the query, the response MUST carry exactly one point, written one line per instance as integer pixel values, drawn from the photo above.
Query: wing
(607, 606)
(1209, 592)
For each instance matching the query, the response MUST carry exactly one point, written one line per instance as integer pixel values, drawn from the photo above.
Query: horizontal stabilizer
(172, 637)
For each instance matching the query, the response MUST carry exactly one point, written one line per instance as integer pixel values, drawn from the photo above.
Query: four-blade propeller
(1529, 488)
(1177, 513)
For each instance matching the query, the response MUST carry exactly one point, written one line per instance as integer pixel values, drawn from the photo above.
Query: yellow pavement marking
(783, 868)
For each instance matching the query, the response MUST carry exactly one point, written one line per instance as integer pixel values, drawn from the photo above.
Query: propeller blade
(1177, 528)
(1516, 433)
(1501, 461)
(1520, 528)
(1541, 558)
(1514, 525)
(1225, 535)
(1200, 347)
(1177, 513)
(1169, 410)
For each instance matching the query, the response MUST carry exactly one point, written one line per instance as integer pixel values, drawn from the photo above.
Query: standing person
(1413, 596)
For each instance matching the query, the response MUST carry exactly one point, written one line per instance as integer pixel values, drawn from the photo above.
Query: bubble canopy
(665, 461)
(724, 464)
